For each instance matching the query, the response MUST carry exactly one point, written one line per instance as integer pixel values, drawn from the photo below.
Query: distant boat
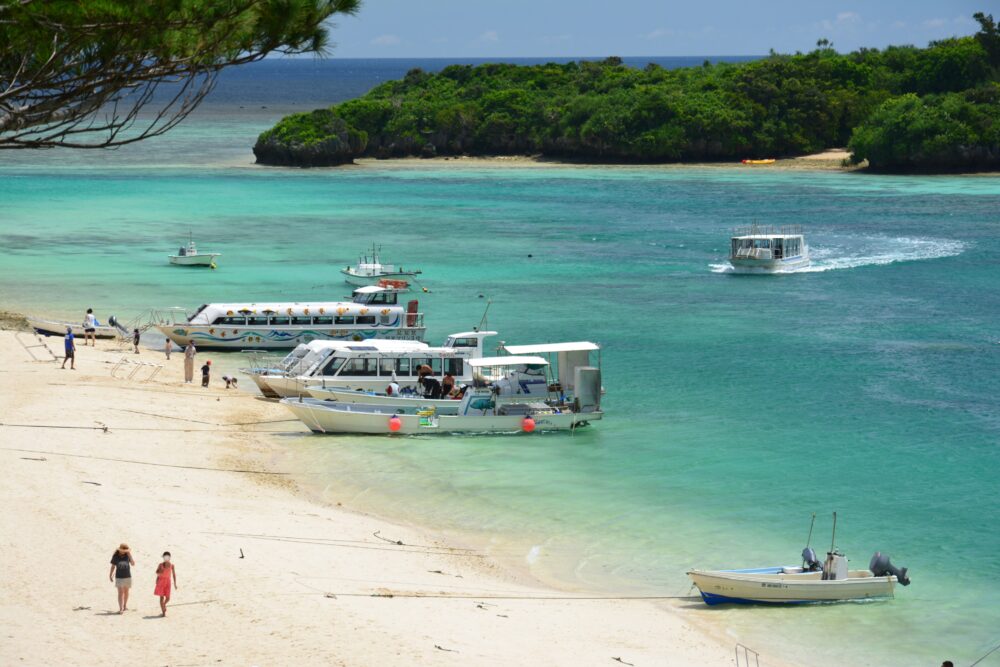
(757, 249)
(189, 256)
(765, 161)
(811, 582)
(370, 270)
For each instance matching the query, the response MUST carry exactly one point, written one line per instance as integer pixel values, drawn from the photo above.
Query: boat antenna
(482, 322)
(833, 537)
(811, 524)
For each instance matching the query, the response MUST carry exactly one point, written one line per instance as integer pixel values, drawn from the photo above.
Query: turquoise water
(737, 405)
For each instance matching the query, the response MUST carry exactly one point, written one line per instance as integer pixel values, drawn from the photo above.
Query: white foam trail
(890, 251)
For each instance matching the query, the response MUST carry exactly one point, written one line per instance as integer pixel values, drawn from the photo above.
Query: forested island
(902, 109)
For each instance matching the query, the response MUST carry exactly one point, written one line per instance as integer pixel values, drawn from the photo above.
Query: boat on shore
(189, 256)
(830, 581)
(758, 249)
(370, 270)
(374, 313)
(482, 410)
(48, 327)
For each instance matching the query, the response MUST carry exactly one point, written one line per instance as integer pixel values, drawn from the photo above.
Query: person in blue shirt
(70, 350)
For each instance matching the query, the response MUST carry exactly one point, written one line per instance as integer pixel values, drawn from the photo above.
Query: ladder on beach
(743, 655)
(39, 342)
(124, 362)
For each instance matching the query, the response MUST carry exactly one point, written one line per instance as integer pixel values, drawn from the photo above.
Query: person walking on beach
(164, 572)
(121, 574)
(189, 353)
(90, 328)
(206, 370)
(167, 347)
(70, 350)
(135, 340)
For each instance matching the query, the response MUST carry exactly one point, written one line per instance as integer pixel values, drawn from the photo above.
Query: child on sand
(164, 573)
(205, 371)
(230, 381)
(135, 340)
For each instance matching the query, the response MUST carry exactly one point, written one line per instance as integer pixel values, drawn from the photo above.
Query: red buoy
(528, 424)
(395, 423)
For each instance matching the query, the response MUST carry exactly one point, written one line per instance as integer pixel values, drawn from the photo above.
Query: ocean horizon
(736, 405)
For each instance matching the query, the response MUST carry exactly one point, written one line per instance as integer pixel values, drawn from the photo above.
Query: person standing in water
(164, 572)
(70, 350)
(189, 353)
(90, 328)
(121, 574)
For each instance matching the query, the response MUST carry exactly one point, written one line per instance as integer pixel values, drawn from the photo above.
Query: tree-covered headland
(901, 109)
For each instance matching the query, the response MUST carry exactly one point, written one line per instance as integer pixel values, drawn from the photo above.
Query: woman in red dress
(165, 571)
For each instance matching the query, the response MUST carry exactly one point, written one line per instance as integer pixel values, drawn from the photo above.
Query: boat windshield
(376, 298)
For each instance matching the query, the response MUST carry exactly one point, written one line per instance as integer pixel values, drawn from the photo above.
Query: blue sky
(526, 28)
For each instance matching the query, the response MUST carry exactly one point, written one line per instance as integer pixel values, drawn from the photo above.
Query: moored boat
(189, 256)
(482, 410)
(768, 250)
(370, 270)
(374, 313)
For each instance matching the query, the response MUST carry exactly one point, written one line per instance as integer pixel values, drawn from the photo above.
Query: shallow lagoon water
(737, 405)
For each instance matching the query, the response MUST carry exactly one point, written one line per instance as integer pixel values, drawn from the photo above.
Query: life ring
(364, 310)
(385, 311)
(289, 311)
(306, 311)
(322, 311)
(229, 313)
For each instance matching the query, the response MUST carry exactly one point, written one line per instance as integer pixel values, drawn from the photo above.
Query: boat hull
(214, 337)
(201, 259)
(348, 396)
(747, 265)
(56, 328)
(374, 420)
(769, 586)
(365, 280)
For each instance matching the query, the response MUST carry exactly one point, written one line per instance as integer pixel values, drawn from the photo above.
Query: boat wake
(871, 251)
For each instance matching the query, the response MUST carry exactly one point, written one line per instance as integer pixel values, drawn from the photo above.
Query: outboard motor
(881, 566)
(809, 560)
(113, 321)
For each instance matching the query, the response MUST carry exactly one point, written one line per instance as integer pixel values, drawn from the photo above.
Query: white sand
(71, 495)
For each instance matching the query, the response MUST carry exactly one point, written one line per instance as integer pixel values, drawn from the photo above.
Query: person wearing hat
(189, 353)
(206, 370)
(121, 574)
(70, 350)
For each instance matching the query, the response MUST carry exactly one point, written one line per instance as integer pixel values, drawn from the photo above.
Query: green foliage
(782, 105)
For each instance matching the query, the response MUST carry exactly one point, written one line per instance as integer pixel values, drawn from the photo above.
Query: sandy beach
(265, 575)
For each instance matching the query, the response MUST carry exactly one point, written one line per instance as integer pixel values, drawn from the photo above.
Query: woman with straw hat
(121, 574)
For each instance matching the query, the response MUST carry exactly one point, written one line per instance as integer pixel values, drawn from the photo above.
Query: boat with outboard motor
(830, 581)
(373, 365)
(369, 270)
(48, 327)
(373, 313)
(758, 249)
(189, 256)
(483, 409)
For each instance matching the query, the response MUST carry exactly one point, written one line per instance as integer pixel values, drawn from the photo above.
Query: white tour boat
(768, 250)
(481, 410)
(550, 383)
(189, 256)
(830, 581)
(58, 328)
(370, 270)
(374, 313)
(355, 368)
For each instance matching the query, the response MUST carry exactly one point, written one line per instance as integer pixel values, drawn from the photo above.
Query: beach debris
(332, 596)
(623, 662)
(398, 543)
(94, 483)
(503, 616)
(32, 458)
(441, 648)
(447, 574)
(241, 553)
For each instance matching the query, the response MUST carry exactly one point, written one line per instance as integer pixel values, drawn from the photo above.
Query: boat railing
(768, 230)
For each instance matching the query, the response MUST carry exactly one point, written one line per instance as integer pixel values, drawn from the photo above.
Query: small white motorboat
(811, 582)
(370, 270)
(768, 250)
(189, 256)
(481, 410)
(58, 328)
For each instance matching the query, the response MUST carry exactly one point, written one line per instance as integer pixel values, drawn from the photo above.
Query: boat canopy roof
(370, 345)
(472, 334)
(552, 347)
(514, 360)
(374, 289)
(769, 236)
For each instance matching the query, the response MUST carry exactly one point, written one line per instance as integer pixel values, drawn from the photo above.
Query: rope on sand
(146, 463)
